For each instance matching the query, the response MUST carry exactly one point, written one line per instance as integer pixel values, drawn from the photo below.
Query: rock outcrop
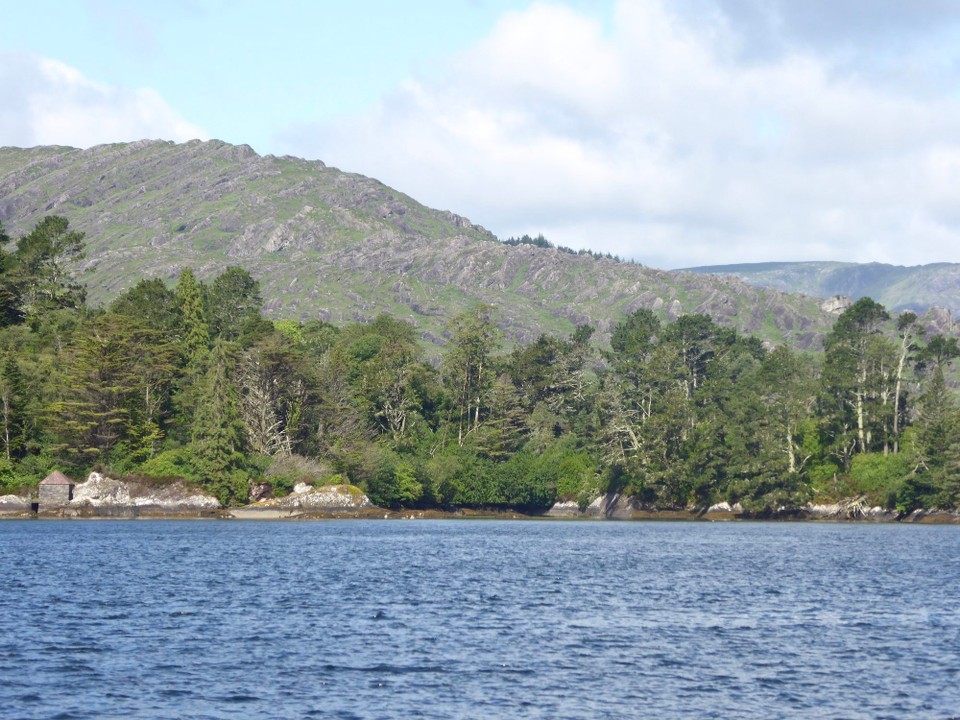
(836, 305)
(615, 506)
(305, 500)
(102, 496)
(849, 509)
(856, 509)
(14, 505)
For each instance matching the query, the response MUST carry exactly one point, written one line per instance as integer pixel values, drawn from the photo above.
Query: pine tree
(196, 331)
(41, 268)
(117, 379)
(217, 429)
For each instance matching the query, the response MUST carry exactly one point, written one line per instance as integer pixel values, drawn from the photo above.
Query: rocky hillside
(340, 247)
(916, 288)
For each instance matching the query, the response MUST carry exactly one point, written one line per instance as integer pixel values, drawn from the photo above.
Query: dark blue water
(461, 619)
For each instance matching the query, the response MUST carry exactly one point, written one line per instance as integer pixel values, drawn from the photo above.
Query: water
(463, 619)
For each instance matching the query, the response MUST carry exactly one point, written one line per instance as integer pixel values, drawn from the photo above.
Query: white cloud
(656, 139)
(46, 102)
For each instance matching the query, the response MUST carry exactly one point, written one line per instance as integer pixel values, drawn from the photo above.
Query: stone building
(56, 491)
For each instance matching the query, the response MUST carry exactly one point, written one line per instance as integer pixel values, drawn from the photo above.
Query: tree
(855, 374)
(117, 379)
(42, 264)
(12, 407)
(697, 340)
(218, 433)
(634, 336)
(788, 392)
(937, 424)
(552, 371)
(467, 366)
(273, 395)
(10, 312)
(908, 330)
(153, 304)
(387, 382)
(233, 301)
(189, 293)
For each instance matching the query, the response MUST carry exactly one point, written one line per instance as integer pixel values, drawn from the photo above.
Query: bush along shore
(188, 386)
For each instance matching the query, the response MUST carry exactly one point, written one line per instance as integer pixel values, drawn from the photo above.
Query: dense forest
(191, 382)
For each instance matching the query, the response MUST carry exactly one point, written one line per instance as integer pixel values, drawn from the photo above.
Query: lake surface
(478, 619)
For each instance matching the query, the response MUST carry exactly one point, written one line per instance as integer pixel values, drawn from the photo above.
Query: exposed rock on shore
(14, 505)
(619, 507)
(849, 509)
(102, 496)
(934, 516)
(615, 506)
(328, 500)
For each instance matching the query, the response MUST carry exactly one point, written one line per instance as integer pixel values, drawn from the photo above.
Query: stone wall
(55, 496)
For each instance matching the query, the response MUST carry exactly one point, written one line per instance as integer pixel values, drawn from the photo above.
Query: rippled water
(477, 619)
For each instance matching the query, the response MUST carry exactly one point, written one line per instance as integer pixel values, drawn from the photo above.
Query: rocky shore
(620, 507)
(104, 497)
(307, 502)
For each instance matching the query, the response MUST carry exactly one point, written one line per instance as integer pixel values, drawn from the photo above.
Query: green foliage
(218, 436)
(880, 477)
(174, 463)
(467, 367)
(391, 480)
(290, 329)
(153, 304)
(680, 414)
(24, 476)
(13, 408)
(41, 268)
(634, 336)
(233, 301)
(189, 293)
(117, 378)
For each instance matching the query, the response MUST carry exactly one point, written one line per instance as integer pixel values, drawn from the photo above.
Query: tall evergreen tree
(117, 377)
(218, 433)
(42, 267)
(189, 293)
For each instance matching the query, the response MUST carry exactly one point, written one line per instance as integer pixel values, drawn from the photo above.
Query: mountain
(341, 247)
(917, 288)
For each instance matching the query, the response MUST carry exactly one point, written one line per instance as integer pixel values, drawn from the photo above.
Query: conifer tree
(217, 429)
(41, 268)
(196, 332)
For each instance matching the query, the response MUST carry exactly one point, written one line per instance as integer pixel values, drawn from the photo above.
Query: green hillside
(340, 247)
(917, 288)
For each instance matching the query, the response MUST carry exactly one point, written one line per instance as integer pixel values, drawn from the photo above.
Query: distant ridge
(340, 247)
(916, 288)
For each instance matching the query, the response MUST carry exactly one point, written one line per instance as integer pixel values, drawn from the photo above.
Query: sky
(673, 132)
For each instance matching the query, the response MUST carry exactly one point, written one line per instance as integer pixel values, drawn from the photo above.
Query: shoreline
(103, 498)
(246, 513)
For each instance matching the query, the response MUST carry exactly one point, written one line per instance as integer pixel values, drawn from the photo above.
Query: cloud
(656, 137)
(46, 102)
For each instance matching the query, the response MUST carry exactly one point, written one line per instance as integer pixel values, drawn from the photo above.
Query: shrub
(879, 477)
(177, 463)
